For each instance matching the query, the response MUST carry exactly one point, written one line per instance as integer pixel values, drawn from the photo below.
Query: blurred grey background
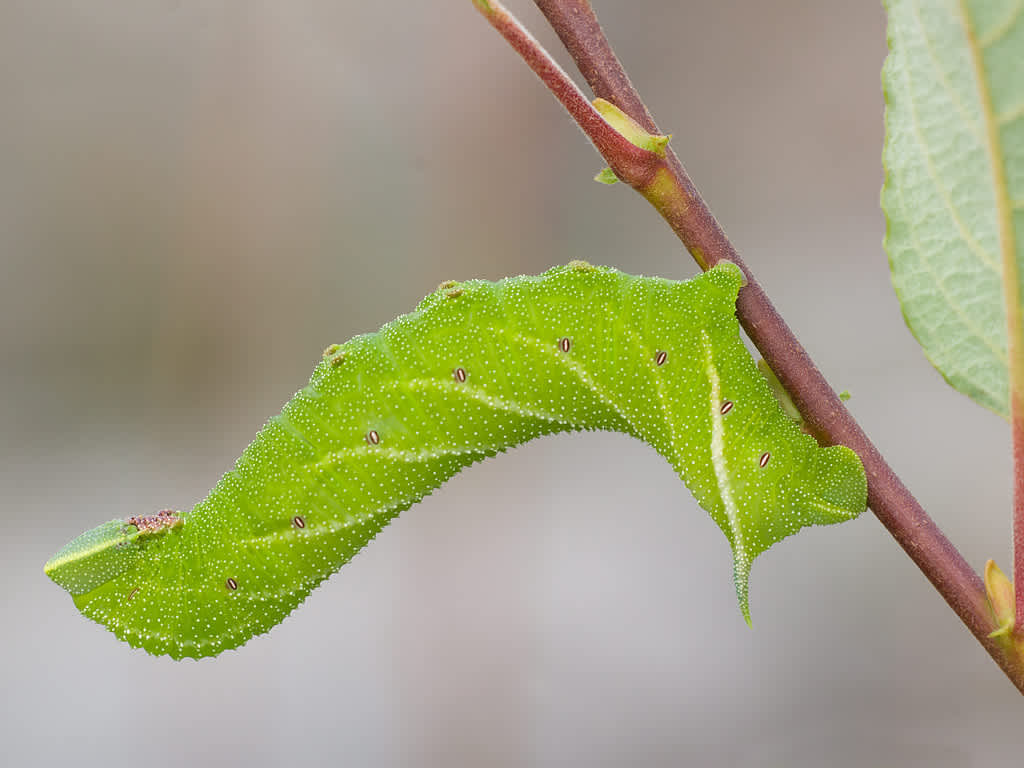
(197, 197)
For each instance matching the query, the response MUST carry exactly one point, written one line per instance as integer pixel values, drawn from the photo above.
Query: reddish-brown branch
(1017, 428)
(630, 159)
(577, 27)
(676, 198)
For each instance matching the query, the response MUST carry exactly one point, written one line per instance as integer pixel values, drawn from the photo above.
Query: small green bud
(631, 129)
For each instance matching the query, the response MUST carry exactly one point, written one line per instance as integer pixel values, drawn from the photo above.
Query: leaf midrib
(1004, 209)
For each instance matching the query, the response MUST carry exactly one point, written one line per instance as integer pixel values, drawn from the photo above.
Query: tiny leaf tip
(999, 591)
(630, 129)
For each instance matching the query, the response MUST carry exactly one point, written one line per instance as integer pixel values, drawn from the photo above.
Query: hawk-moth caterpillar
(478, 367)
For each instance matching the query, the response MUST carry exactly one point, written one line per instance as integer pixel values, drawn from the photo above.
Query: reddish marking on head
(459, 374)
(372, 437)
(565, 345)
(299, 521)
(764, 459)
(726, 407)
(661, 358)
(231, 584)
(165, 518)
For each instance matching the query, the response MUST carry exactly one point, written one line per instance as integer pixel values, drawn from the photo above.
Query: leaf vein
(1007, 234)
(1002, 28)
(966, 115)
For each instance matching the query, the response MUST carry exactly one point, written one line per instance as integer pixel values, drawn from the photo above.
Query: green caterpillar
(477, 368)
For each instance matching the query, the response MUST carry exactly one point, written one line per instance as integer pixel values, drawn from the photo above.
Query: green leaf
(954, 185)
(477, 368)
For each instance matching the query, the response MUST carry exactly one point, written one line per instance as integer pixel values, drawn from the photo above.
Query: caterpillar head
(106, 551)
